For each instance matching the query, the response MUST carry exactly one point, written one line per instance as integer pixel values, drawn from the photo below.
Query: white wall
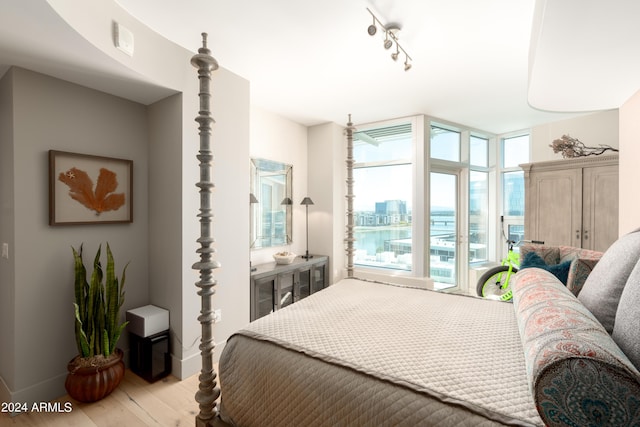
(327, 172)
(591, 129)
(629, 206)
(230, 223)
(275, 138)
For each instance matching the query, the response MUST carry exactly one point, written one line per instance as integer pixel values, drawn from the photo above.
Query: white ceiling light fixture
(390, 37)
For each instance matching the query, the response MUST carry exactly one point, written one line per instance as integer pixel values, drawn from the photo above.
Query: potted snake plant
(98, 368)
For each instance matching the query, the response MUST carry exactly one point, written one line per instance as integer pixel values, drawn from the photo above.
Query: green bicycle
(495, 282)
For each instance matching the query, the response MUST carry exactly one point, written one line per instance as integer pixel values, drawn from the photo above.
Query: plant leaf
(97, 310)
(81, 337)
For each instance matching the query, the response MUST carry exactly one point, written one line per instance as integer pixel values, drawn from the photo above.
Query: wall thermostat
(123, 38)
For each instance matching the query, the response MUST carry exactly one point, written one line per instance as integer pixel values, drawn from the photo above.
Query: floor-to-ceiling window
(478, 198)
(464, 176)
(383, 203)
(515, 151)
(443, 229)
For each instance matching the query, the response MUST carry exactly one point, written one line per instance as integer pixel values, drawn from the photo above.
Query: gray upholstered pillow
(602, 289)
(626, 330)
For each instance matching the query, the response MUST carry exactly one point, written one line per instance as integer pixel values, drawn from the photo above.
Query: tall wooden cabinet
(572, 202)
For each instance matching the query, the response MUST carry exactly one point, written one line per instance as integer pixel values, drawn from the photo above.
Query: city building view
(383, 235)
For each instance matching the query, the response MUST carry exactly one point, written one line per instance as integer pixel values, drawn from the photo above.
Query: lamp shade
(252, 198)
(287, 201)
(306, 201)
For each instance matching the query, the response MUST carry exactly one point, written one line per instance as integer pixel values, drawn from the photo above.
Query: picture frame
(88, 189)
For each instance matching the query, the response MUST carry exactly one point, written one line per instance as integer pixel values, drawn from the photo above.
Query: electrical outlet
(217, 315)
(5, 250)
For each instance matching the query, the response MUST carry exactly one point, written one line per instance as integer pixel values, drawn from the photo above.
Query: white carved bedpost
(350, 239)
(208, 391)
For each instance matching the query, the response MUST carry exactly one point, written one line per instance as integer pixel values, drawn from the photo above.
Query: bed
(373, 354)
(365, 353)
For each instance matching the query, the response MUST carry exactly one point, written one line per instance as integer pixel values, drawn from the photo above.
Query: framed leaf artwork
(85, 189)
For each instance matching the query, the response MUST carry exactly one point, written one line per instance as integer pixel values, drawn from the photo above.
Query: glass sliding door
(443, 229)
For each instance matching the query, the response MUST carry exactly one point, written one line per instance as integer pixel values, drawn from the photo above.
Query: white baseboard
(44, 391)
(5, 393)
(191, 365)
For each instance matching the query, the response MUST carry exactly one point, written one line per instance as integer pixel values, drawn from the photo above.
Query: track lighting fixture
(390, 37)
(395, 54)
(387, 43)
(372, 28)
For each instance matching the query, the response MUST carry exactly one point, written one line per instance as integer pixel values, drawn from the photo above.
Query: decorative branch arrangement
(573, 147)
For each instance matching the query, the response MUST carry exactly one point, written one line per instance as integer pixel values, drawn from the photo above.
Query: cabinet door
(600, 207)
(304, 284)
(286, 286)
(319, 275)
(554, 207)
(263, 297)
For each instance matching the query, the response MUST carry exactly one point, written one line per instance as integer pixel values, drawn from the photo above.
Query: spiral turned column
(349, 238)
(208, 391)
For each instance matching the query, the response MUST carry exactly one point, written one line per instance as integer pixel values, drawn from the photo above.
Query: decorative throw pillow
(627, 322)
(602, 289)
(550, 254)
(561, 271)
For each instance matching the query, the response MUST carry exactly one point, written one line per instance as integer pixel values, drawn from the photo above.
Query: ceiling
(313, 61)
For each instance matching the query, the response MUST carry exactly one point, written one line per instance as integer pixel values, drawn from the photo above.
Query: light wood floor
(167, 402)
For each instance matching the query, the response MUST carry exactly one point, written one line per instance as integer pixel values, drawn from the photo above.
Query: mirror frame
(264, 214)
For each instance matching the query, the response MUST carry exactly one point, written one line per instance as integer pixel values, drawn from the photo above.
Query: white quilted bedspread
(459, 351)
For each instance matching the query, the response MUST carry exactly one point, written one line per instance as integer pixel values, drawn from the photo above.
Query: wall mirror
(270, 203)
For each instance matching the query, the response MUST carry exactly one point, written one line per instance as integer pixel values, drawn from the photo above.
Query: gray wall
(40, 113)
(165, 207)
(53, 114)
(7, 269)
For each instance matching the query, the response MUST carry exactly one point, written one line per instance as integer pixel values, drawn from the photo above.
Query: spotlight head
(388, 43)
(395, 54)
(372, 30)
(407, 66)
